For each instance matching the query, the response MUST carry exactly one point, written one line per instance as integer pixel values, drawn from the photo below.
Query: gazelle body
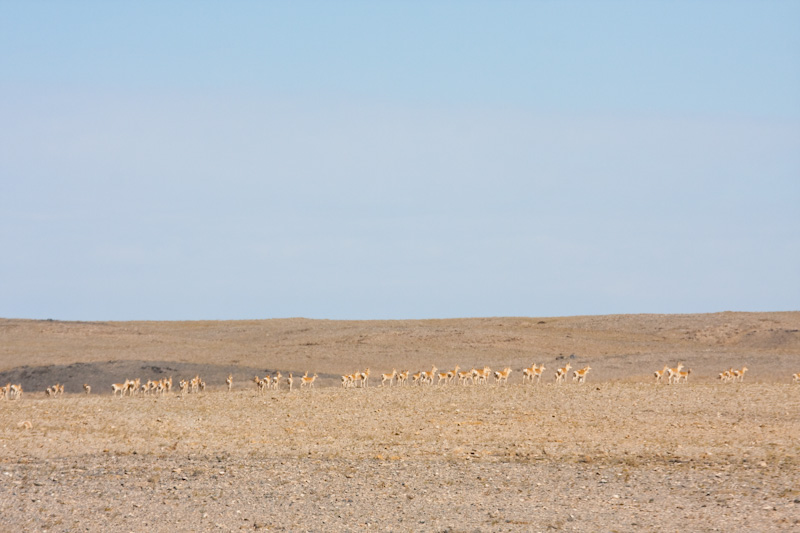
(561, 373)
(528, 373)
(580, 375)
(388, 377)
(482, 376)
(427, 377)
(674, 373)
(451, 376)
(538, 371)
(402, 377)
(501, 376)
(307, 381)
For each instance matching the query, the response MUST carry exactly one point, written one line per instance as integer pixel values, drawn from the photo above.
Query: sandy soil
(618, 453)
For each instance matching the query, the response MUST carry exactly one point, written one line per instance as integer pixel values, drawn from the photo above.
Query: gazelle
(388, 377)
(402, 377)
(365, 378)
(725, 376)
(290, 381)
(527, 373)
(443, 376)
(674, 373)
(580, 375)
(738, 375)
(229, 382)
(118, 388)
(501, 376)
(87, 388)
(482, 376)
(416, 379)
(796, 377)
(467, 375)
(308, 381)
(276, 380)
(561, 373)
(538, 371)
(184, 385)
(684, 375)
(451, 376)
(659, 374)
(427, 377)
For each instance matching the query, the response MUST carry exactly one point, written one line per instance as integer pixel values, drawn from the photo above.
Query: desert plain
(619, 452)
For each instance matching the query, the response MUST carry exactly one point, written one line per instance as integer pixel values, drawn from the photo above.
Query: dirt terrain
(618, 453)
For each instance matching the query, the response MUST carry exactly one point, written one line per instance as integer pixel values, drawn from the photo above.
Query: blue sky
(375, 160)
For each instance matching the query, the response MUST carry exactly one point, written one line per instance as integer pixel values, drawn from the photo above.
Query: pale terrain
(618, 453)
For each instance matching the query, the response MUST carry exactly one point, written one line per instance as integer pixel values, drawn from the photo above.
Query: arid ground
(618, 453)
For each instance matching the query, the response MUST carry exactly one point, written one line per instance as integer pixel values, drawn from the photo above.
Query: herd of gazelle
(132, 387)
(11, 392)
(474, 376)
(274, 382)
(678, 375)
(730, 375)
(673, 375)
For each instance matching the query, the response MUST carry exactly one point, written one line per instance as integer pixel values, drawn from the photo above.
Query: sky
(212, 160)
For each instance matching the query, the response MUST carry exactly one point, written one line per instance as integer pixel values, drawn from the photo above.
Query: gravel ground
(594, 457)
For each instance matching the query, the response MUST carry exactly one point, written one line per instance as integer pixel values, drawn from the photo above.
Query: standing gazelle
(580, 375)
(674, 374)
(388, 377)
(501, 376)
(402, 377)
(307, 381)
(738, 375)
(561, 373)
